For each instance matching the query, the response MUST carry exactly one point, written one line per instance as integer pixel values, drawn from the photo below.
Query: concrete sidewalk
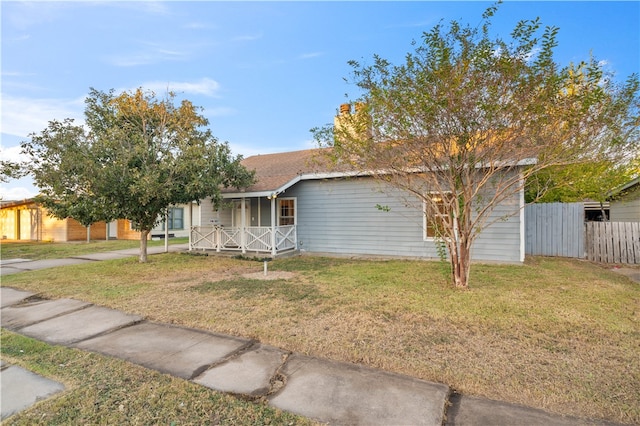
(324, 390)
(13, 266)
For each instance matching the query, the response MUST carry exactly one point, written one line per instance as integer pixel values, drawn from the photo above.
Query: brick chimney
(352, 123)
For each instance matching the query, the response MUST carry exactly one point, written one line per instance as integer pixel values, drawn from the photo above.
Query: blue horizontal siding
(340, 216)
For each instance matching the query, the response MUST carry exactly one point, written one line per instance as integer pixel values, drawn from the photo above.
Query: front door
(237, 213)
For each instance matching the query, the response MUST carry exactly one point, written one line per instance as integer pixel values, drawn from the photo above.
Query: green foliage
(441, 249)
(11, 170)
(577, 182)
(137, 156)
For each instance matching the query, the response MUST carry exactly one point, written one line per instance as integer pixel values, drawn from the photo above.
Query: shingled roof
(277, 171)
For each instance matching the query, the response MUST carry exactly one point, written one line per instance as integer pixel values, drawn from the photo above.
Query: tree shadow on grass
(245, 288)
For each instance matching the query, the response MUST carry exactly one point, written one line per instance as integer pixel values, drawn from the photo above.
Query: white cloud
(138, 7)
(22, 116)
(311, 55)
(204, 86)
(198, 26)
(13, 154)
(25, 15)
(153, 55)
(17, 192)
(153, 7)
(17, 74)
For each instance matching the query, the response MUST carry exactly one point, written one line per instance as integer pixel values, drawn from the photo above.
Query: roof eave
(289, 184)
(331, 175)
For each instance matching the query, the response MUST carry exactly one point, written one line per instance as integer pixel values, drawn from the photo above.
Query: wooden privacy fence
(559, 229)
(554, 229)
(613, 242)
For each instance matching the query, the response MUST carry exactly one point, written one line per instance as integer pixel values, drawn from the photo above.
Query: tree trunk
(143, 245)
(459, 256)
(89, 234)
(603, 213)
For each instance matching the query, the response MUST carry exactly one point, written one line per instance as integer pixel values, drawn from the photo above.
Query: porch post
(166, 231)
(273, 225)
(259, 213)
(243, 221)
(190, 222)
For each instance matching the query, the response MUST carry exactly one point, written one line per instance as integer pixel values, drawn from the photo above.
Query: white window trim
(295, 210)
(173, 219)
(425, 218)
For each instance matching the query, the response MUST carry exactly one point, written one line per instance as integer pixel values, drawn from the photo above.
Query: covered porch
(252, 239)
(256, 224)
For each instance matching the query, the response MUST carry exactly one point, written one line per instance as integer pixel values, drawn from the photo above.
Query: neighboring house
(28, 221)
(624, 204)
(181, 218)
(294, 205)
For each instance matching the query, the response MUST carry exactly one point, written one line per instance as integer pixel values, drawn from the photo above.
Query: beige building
(28, 221)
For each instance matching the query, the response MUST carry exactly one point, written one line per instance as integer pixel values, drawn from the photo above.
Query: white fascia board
(336, 175)
(246, 194)
(333, 175)
(283, 188)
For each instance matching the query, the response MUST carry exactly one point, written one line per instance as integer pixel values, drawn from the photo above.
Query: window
(435, 215)
(287, 211)
(176, 218)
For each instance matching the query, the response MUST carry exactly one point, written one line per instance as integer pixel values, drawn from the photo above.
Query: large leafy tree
(136, 156)
(462, 123)
(580, 181)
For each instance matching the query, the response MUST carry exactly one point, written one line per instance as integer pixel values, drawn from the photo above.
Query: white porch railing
(254, 239)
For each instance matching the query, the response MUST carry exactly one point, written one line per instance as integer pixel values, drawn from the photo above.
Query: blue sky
(264, 72)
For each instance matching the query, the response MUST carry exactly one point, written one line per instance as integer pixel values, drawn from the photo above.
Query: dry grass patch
(561, 335)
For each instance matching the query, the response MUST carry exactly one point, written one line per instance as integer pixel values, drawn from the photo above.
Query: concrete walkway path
(327, 391)
(12, 266)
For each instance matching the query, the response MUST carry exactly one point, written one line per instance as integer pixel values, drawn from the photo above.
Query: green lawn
(44, 250)
(557, 334)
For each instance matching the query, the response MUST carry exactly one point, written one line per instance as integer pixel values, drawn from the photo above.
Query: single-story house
(181, 218)
(624, 204)
(26, 220)
(295, 206)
